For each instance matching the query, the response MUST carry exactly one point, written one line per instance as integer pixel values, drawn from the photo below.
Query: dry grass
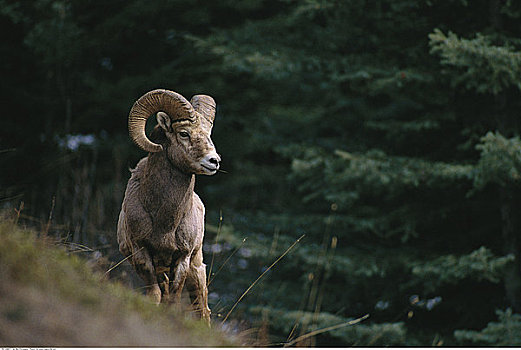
(50, 297)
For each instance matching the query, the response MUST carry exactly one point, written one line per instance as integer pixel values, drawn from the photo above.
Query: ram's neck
(167, 193)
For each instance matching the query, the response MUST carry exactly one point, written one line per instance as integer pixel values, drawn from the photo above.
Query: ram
(161, 223)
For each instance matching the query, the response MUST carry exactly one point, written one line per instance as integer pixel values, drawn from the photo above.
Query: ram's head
(183, 131)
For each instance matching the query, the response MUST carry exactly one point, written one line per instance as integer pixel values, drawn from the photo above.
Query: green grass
(51, 297)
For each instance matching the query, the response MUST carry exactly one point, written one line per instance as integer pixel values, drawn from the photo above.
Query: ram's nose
(211, 162)
(215, 160)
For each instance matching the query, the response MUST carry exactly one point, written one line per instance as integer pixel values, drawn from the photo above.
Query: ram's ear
(164, 121)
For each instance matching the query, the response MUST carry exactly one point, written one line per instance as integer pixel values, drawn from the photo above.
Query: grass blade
(324, 330)
(258, 278)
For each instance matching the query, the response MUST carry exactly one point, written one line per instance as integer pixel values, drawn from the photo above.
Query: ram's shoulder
(198, 204)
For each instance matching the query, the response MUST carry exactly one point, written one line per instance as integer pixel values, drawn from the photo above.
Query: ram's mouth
(211, 170)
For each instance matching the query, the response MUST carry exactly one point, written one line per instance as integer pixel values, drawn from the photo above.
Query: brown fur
(161, 223)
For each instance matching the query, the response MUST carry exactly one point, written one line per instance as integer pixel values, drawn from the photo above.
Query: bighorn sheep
(161, 223)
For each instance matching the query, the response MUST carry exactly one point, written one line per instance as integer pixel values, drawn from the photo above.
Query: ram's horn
(172, 103)
(205, 105)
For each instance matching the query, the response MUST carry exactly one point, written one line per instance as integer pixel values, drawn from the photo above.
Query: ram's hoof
(155, 293)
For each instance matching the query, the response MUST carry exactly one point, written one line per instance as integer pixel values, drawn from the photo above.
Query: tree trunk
(510, 197)
(510, 205)
(510, 213)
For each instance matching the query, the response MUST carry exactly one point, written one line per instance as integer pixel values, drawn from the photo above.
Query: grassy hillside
(50, 297)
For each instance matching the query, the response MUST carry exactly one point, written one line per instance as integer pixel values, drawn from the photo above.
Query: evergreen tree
(386, 132)
(383, 117)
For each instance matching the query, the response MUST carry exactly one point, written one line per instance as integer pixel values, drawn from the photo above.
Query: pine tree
(384, 118)
(386, 132)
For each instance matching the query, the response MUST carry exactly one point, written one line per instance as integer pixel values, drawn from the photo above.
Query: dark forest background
(386, 132)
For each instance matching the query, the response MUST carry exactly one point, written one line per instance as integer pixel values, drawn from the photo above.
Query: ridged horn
(172, 103)
(205, 105)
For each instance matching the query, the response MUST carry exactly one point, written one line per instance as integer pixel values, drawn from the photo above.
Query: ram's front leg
(145, 269)
(178, 277)
(197, 288)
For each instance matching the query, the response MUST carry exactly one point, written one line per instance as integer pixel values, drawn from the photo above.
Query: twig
(213, 252)
(18, 212)
(227, 259)
(78, 247)
(292, 331)
(48, 225)
(258, 278)
(6, 199)
(316, 292)
(119, 263)
(324, 330)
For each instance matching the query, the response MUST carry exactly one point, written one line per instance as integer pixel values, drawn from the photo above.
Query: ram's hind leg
(196, 285)
(145, 269)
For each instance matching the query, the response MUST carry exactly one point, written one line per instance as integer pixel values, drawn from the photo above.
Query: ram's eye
(184, 134)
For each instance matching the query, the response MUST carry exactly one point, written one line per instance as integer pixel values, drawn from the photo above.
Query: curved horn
(172, 103)
(205, 105)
